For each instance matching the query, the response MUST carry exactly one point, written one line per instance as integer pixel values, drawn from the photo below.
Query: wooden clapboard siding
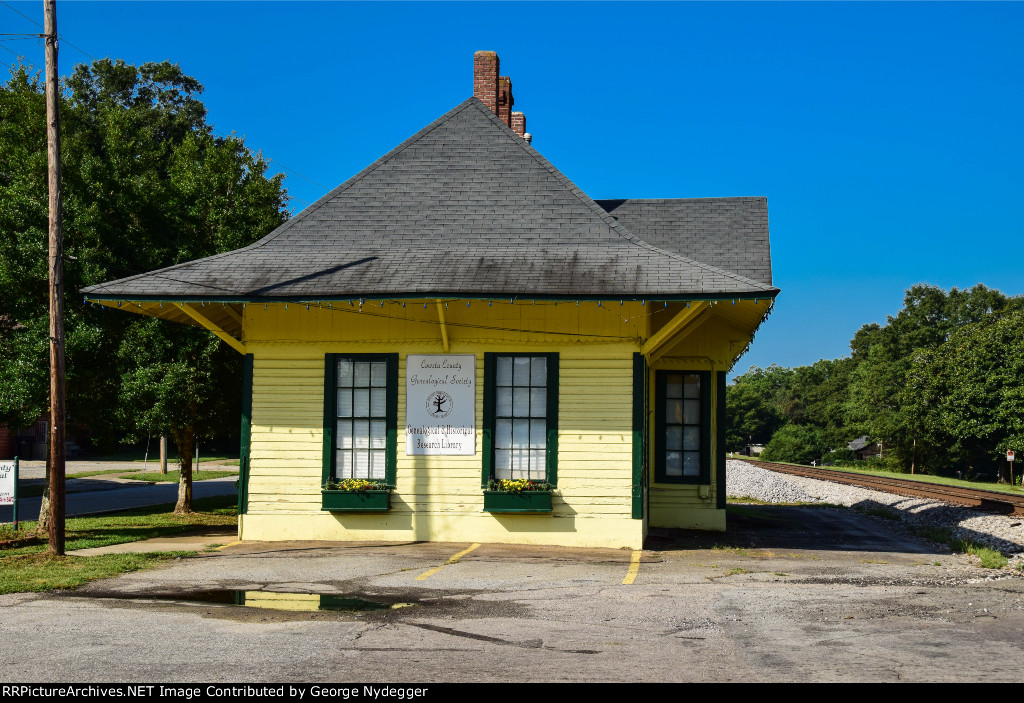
(439, 496)
(595, 402)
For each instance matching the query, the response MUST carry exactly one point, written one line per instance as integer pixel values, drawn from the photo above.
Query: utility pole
(57, 413)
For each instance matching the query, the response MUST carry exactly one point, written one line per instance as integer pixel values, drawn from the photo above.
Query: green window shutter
(639, 433)
(487, 458)
(245, 435)
(330, 414)
(720, 421)
(391, 460)
(552, 411)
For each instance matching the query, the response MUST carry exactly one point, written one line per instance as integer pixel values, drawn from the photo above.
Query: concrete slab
(194, 542)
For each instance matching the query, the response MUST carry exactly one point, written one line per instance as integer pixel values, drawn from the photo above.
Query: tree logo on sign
(439, 404)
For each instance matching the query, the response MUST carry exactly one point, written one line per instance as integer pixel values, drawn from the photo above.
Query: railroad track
(989, 501)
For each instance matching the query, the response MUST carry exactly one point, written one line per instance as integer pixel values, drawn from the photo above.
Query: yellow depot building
(459, 316)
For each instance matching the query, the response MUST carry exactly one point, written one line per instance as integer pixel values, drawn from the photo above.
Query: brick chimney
(495, 91)
(485, 79)
(505, 100)
(519, 123)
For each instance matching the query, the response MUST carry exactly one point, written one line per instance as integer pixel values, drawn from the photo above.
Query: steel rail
(988, 501)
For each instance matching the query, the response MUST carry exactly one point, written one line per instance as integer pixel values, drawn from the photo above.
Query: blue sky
(886, 136)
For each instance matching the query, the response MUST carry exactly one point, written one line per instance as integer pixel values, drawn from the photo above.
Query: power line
(20, 57)
(59, 36)
(23, 15)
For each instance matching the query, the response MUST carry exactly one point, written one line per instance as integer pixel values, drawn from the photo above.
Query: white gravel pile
(1005, 534)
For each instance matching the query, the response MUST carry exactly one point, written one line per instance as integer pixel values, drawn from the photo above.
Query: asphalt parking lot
(788, 594)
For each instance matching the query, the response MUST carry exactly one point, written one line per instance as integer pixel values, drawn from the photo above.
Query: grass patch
(989, 558)
(779, 573)
(26, 566)
(173, 476)
(736, 571)
(42, 572)
(873, 561)
(126, 526)
(138, 453)
(739, 551)
(102, 472)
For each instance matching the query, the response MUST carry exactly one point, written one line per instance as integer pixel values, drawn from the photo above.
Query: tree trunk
(43, 526)
(185, 439)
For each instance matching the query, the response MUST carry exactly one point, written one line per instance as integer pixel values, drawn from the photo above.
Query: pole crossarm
(444, 327)
(212, 326)
(679, 326)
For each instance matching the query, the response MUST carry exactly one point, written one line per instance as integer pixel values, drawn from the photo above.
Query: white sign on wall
(6, 483)
(440, 404)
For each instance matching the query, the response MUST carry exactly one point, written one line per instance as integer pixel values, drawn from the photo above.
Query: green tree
(752, 411)
(797, 444)
(883, 399)
(970, 389)
(146, 185)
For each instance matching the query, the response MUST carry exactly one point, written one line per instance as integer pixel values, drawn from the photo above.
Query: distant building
(863, 447)
(459, 311)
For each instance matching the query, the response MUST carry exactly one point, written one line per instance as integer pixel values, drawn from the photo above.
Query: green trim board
(245, 435)
(660, 405)
(611, 298)
(720, 421)
(640, 374)
(523, 502)
(331, 413)
(355, 501)
(490, 414)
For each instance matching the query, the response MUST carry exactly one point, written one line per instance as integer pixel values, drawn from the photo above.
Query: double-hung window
(682, 426)
(360, 416)
(521, 417)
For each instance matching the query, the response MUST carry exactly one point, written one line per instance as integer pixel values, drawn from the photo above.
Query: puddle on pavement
(273, 600)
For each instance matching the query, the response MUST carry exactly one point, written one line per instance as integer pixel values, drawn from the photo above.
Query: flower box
(517, 502)
(356, 501)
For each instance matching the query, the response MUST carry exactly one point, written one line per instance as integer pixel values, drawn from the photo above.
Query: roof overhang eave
(767, 294)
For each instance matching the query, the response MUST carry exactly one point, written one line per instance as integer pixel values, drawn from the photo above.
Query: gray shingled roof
(462, 208)
(730, 233)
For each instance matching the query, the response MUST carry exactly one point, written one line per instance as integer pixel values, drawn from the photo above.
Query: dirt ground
(788, 594)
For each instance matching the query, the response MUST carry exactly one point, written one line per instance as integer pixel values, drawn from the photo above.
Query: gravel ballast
(1003, 533)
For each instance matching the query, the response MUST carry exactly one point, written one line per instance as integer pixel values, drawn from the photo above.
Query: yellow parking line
(225, 546)
(634, 567)
(454, 559)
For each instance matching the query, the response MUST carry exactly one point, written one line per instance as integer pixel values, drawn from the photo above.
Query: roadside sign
(1009, 455)
(9, 487)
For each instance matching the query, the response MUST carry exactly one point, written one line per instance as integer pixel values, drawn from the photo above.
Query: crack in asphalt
(528, 644)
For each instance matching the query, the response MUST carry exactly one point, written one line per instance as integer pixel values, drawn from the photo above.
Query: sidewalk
(195, 542)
